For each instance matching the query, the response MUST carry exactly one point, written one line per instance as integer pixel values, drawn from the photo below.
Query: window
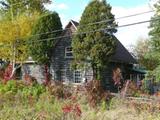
(77, 76)
(68, 52)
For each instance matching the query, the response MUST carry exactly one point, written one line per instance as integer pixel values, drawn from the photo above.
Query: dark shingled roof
(75, 23)
(121, 53)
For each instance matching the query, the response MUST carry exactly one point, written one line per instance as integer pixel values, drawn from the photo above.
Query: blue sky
(127, 3)
(72, 9)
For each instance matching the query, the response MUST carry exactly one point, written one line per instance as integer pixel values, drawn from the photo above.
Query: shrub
(9, 87)
(95, 93)
(59, 90)
(132, 89)
(72, 108)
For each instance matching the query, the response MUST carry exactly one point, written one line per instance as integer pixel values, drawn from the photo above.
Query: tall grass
(35, 102)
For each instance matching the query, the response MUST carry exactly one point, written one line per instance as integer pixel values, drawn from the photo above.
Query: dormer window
(68, 52)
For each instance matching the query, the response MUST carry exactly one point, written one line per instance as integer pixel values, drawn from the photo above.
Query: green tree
(13, 8)
(146, 57)
(155, 29)
(41, 45)
(155, 35)
(154, 44)
(16, 19)
(13, 36)
(98, 46)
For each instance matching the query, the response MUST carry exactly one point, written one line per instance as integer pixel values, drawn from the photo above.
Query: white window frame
(79, 77)
(68, 52)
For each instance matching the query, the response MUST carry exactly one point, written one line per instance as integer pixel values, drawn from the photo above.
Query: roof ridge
(74, 23)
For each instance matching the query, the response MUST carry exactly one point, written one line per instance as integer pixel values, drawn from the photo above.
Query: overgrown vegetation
(19, 101)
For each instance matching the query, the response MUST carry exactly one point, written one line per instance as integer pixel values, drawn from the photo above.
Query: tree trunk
(47, 79)
(97, 72)
(94, 72)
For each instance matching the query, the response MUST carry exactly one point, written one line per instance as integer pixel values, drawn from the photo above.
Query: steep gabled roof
(121, 53)
(72, 22)
(75, 23)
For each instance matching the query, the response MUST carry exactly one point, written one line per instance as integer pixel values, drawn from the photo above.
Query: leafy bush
(9, 87)
(14, 87)
(96, 93)
(34, 90)
(59, 90)
(132, 89)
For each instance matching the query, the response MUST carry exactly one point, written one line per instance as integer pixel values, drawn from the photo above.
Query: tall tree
(13, 8)
(13, 36)
(155, 29)
(41, 45)
(146, 57)
(154, 45)
(16, 19)
(155, 34)
(96, 46)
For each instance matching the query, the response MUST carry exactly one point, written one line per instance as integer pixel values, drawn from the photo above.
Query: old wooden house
(62, 57)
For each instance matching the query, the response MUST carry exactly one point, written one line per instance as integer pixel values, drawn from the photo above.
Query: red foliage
(117, 76)
(29, 80)
(77, 110)
(67, 109)
(7, 73)
(1, 73)
(95, 93)
(72, 107)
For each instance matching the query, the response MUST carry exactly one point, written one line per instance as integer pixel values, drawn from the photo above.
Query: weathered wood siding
(34, 70)
(61, 65)
(59, 62)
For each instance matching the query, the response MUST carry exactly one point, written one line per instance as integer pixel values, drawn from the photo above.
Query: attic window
(68, 52)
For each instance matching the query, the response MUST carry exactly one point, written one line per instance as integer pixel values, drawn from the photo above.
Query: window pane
(68, 52)
(77, 77)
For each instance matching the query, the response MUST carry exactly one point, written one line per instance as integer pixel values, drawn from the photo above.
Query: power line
(89, 24)
(58, 30)
(93, 23)
(98, 30)
(122, 17)
(136, 14)
(102, 29)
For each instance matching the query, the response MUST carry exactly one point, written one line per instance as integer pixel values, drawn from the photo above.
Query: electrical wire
(93, 23)
(98, 30)
(96, 23)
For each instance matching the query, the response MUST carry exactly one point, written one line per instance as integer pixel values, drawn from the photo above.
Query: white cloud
(129, 35)
(62, 6)
(54, 6)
